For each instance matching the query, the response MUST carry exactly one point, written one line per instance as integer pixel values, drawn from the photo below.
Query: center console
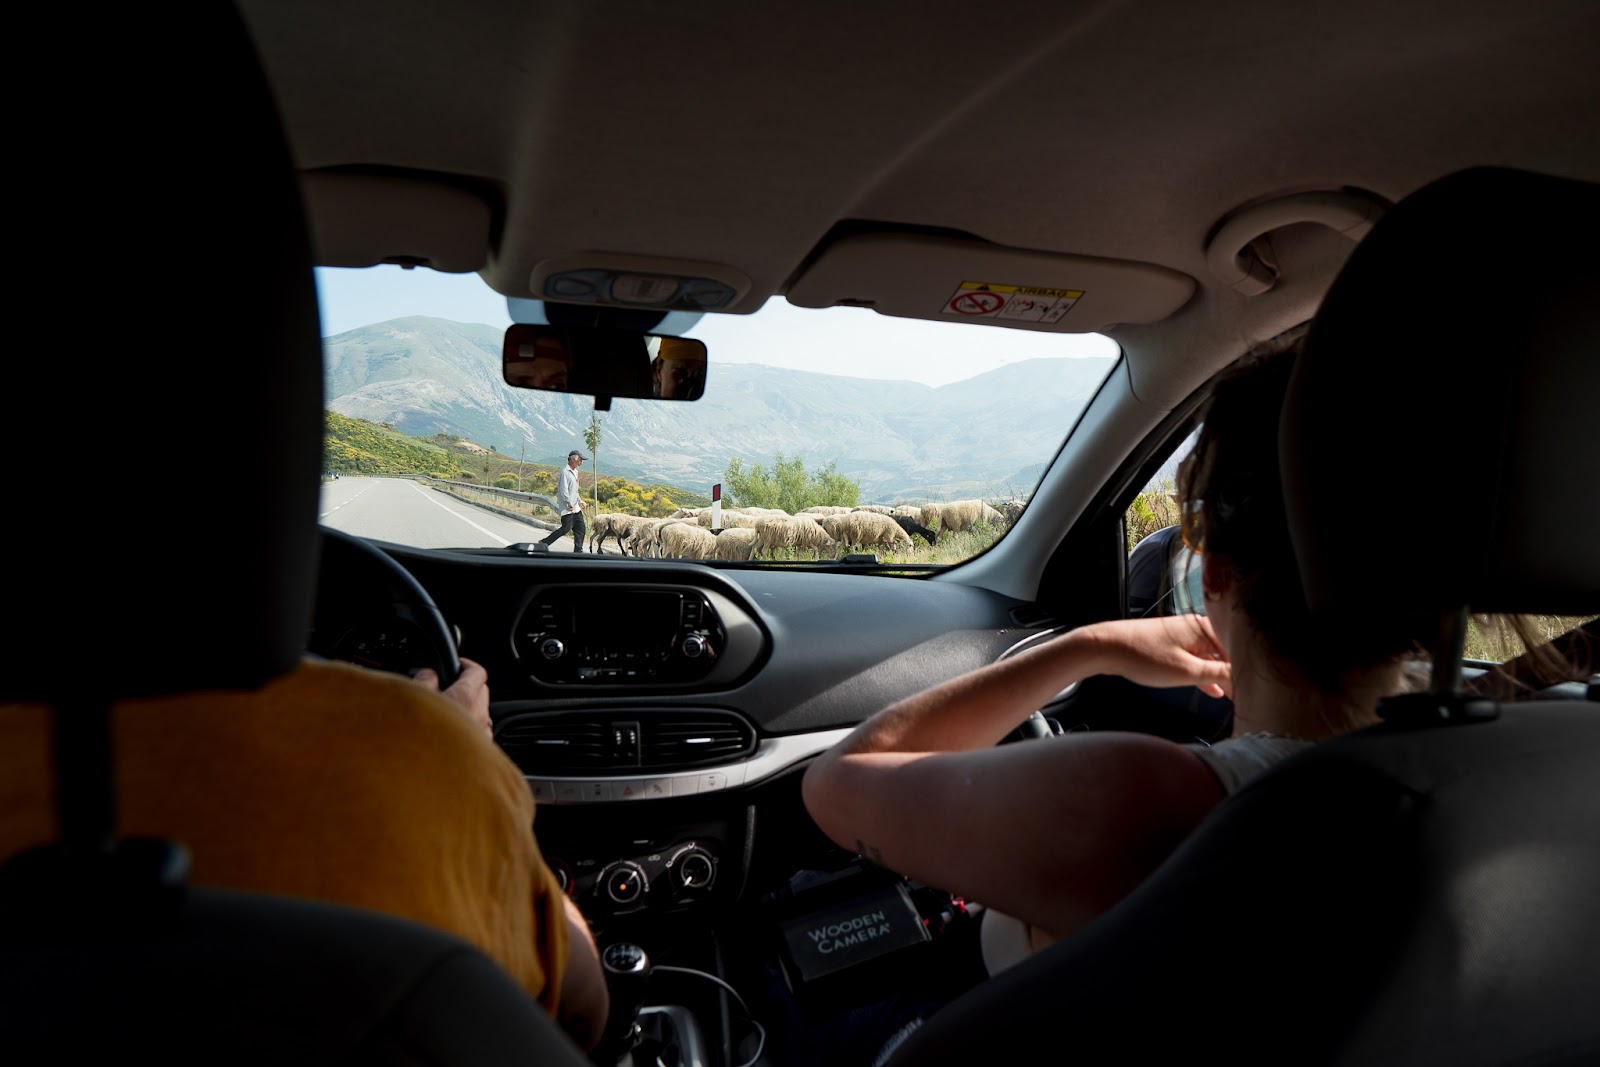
(598, 635)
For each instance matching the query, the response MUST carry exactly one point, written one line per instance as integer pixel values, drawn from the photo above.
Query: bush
(506, 481)
(1151, 511)
(788, 486)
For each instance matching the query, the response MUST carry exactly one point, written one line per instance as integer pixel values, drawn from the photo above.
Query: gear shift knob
(627, 969)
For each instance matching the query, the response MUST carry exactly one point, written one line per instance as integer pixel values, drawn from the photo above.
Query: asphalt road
(410, 513)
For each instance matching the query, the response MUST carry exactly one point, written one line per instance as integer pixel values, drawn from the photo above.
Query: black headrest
(172, 427)
(1439, 440)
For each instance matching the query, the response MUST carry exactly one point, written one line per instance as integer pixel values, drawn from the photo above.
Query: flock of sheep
(748, 533)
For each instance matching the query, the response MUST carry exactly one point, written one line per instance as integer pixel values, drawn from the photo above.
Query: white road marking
(336, 507)
(438, 503)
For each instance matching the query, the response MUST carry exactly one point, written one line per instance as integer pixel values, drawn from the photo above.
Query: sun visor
(949, 279)
(362, 220)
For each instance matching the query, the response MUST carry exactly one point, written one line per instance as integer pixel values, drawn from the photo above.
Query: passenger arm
(1051, 831)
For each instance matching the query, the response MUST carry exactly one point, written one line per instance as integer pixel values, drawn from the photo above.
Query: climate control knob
(693, 868)
(624, 882)
(552, 648)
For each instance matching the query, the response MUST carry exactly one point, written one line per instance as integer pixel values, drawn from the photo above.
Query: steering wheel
(372, 611)
(1034, 726)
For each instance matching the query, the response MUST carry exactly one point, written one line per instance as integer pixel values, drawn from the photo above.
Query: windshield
(945, 426)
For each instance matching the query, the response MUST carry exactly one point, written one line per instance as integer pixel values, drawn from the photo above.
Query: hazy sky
(848, 341)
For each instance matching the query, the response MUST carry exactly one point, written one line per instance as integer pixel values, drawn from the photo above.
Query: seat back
(186, 363)
(1426, 891)
(176, 224)
(244, 979)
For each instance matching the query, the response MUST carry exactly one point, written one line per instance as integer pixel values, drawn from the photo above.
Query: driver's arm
(585, 1001)
(1051, 831)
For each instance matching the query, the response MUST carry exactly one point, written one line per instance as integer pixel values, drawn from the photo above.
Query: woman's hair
(1536, 652)
(1233, 509)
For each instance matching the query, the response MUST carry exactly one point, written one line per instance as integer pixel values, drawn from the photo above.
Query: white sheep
(613, 524)
(730, 518)
(867, 529)
(687, 540)
(735, 543)
(881, 509)
(1011, 510)
(646, 537)
(791, 531)
(640, 541)
(958, 515)
(817, 510)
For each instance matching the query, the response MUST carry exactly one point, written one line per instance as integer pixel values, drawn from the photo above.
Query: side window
(1163, 576)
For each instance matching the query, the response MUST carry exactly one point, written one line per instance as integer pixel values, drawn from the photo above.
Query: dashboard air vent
(548, 744)
(693, 741)
(626, 742)
(1031, 615)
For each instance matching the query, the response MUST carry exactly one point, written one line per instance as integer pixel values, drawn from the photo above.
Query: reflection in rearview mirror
(603, 362)
(678, 371)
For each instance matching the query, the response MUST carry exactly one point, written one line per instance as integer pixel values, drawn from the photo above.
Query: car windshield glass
(949, 423)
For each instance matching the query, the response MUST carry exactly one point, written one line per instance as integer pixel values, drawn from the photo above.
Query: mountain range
(991, 435)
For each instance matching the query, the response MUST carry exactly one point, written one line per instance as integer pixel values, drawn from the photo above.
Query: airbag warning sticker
(1020, 303)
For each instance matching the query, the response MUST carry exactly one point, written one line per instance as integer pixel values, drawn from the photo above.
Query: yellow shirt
(335, 783)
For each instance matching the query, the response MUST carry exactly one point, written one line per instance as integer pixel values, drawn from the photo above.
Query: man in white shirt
(570, 505)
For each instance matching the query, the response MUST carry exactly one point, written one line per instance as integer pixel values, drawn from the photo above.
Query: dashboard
(662, 712)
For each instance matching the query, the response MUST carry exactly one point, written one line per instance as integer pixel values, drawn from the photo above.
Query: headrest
(1439, 439)
(179, 398)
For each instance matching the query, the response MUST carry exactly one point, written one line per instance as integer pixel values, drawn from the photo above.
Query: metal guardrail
(496, 491)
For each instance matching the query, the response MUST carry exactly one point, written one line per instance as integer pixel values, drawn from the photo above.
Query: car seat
(191, 339)
(1426, 891)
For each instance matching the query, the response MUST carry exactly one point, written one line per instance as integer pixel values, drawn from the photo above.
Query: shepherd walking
(569, 503)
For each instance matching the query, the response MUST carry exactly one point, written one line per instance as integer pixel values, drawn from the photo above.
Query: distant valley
(988, 436)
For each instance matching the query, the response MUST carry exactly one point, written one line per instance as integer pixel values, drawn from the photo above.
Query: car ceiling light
(638, 282)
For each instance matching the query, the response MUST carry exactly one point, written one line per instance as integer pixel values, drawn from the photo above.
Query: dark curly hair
(1234, 509)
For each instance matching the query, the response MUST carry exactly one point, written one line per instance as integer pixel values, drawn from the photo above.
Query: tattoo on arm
(871, 852)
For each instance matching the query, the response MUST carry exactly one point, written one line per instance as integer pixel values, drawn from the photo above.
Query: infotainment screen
(627, 618)
(617, 635)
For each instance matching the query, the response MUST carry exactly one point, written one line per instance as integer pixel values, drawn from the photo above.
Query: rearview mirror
(603, 362)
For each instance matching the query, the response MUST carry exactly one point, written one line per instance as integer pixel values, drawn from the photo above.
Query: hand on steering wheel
(470, 690)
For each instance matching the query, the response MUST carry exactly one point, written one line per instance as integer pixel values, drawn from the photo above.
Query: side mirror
(603, 362)
(1164, 576)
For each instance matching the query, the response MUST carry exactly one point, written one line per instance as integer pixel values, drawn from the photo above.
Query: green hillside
(357, 446)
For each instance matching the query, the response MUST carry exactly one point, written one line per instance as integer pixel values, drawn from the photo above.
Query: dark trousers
(573, 523)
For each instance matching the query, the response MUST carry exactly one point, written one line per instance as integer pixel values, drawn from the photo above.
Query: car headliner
(742, 134)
